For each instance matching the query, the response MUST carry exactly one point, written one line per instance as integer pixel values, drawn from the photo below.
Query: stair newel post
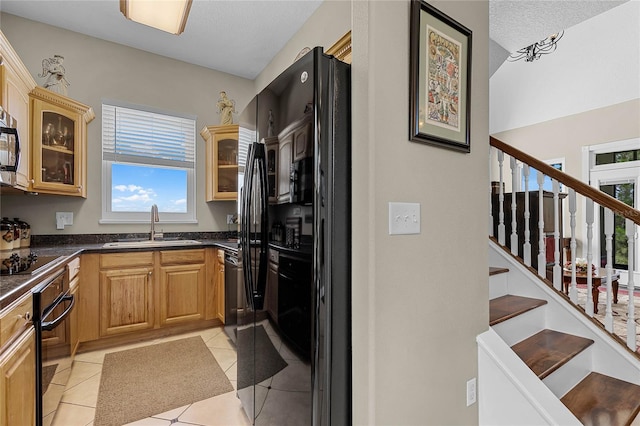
(542, 259)
(490, 193)
(573, 292)
(631, 315)
(501, 230)
(526, 247)
(589, 207)
(608, 234)
(514, 221)
(557, 268)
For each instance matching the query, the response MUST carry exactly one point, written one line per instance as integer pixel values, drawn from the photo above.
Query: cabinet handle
(26, 316)
(79, 188)
(150, 272)
(33, 181)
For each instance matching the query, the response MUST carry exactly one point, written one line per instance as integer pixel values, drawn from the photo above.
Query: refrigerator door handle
(245, 237)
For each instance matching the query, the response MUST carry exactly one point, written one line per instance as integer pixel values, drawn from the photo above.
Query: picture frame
(439, 79)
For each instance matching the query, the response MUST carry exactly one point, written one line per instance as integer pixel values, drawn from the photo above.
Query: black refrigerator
(294, 322)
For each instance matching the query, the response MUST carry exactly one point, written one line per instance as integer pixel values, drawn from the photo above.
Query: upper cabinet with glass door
(59, 143)
(221, 162)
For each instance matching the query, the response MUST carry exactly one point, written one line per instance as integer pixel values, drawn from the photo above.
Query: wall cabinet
(221, 162)
(182, 286)
(285, 155)
(272, 168)
(302, 146)
(18, 380)
(59, 143)
(15, 84)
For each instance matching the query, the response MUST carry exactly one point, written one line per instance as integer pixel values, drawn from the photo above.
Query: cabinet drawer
(14, 317)
(73, 268)
(181, 256)
(123, 260)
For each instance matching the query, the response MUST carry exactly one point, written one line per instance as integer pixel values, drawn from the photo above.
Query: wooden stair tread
(494, 270)
(508, 306)
(600, 399)
(548, 350)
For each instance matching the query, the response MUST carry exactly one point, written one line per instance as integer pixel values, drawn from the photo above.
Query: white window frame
(109, 216)
(613, 173)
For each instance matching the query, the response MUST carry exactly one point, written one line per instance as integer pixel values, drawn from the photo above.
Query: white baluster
(631, 315)
(542, 258)
(557, 268)
(526, 247)
(514, 221)
(501, 229)
(589, 219)
(573, 293)
(490, 194)
(608, 234)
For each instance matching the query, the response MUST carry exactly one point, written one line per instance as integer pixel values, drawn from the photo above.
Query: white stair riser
(522, 326)
(498, 285)
(570, 374)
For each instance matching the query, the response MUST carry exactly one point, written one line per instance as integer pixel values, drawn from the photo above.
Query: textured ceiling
(239, 37)
(515, 24)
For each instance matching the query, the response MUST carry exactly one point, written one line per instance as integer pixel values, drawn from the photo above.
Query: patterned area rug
(619, 311)
(141, 382)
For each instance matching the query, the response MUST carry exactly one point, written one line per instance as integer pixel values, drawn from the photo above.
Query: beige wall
(418, 300)
(99, 69)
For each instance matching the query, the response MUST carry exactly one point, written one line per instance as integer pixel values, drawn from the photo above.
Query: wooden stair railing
(520, 242)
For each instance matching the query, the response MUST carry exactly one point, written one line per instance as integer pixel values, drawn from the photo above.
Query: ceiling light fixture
(166, 15)
(534, 51)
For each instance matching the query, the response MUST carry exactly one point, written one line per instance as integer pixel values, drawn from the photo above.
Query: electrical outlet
(471, 391)
(229, 219)
(63, 218)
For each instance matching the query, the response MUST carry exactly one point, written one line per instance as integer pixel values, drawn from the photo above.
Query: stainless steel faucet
(154, 218)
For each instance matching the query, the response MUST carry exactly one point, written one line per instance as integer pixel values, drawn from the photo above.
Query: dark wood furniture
(597, 280)
(534, 218)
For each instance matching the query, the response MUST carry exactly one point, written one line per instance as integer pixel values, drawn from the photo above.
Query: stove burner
(26, 265)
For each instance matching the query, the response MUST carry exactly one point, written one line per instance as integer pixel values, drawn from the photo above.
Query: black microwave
(301, 181)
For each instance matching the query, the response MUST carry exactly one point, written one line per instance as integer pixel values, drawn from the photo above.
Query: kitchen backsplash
(70, 239)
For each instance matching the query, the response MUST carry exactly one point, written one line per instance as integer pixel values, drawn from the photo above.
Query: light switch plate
(404, 218)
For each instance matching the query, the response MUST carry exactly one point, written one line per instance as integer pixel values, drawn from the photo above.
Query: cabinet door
(220, 297)
(125, 300)
(302, 146)
(18, 106)
(18, 381)
(272, 291)
(182, 293)
(272, 169)
(284, 169)
(74, 339)
(221, 162)
(59, 132)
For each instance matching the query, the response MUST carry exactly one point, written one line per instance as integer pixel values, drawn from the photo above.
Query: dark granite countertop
(14, 286)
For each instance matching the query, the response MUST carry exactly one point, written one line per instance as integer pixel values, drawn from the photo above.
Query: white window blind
(137, 136)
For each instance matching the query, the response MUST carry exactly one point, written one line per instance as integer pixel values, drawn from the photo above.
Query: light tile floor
(80, 396)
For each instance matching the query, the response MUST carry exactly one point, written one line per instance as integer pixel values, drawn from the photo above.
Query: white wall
(596, 64)
(99, 69)
(419, 301)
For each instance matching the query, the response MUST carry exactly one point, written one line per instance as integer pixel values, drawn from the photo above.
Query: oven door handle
(50, 325)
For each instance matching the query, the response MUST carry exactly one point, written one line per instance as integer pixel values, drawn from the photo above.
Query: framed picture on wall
(440, 79)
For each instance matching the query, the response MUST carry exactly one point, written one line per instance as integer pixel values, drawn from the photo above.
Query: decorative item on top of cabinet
(15, 84)
(59, 143)
(221, 162)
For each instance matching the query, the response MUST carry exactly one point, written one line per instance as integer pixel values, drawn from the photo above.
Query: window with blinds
(148, 158)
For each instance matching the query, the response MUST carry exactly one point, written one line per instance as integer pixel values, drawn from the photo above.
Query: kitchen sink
(151, 243)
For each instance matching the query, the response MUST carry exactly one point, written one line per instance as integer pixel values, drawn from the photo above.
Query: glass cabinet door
(59, 143)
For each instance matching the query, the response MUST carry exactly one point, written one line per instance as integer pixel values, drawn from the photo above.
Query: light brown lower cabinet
(18, 381)
(219, 285)
(128, 292)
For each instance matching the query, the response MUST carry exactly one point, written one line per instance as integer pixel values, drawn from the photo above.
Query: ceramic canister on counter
(7, 230)
(25, 232)
(16, 233)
